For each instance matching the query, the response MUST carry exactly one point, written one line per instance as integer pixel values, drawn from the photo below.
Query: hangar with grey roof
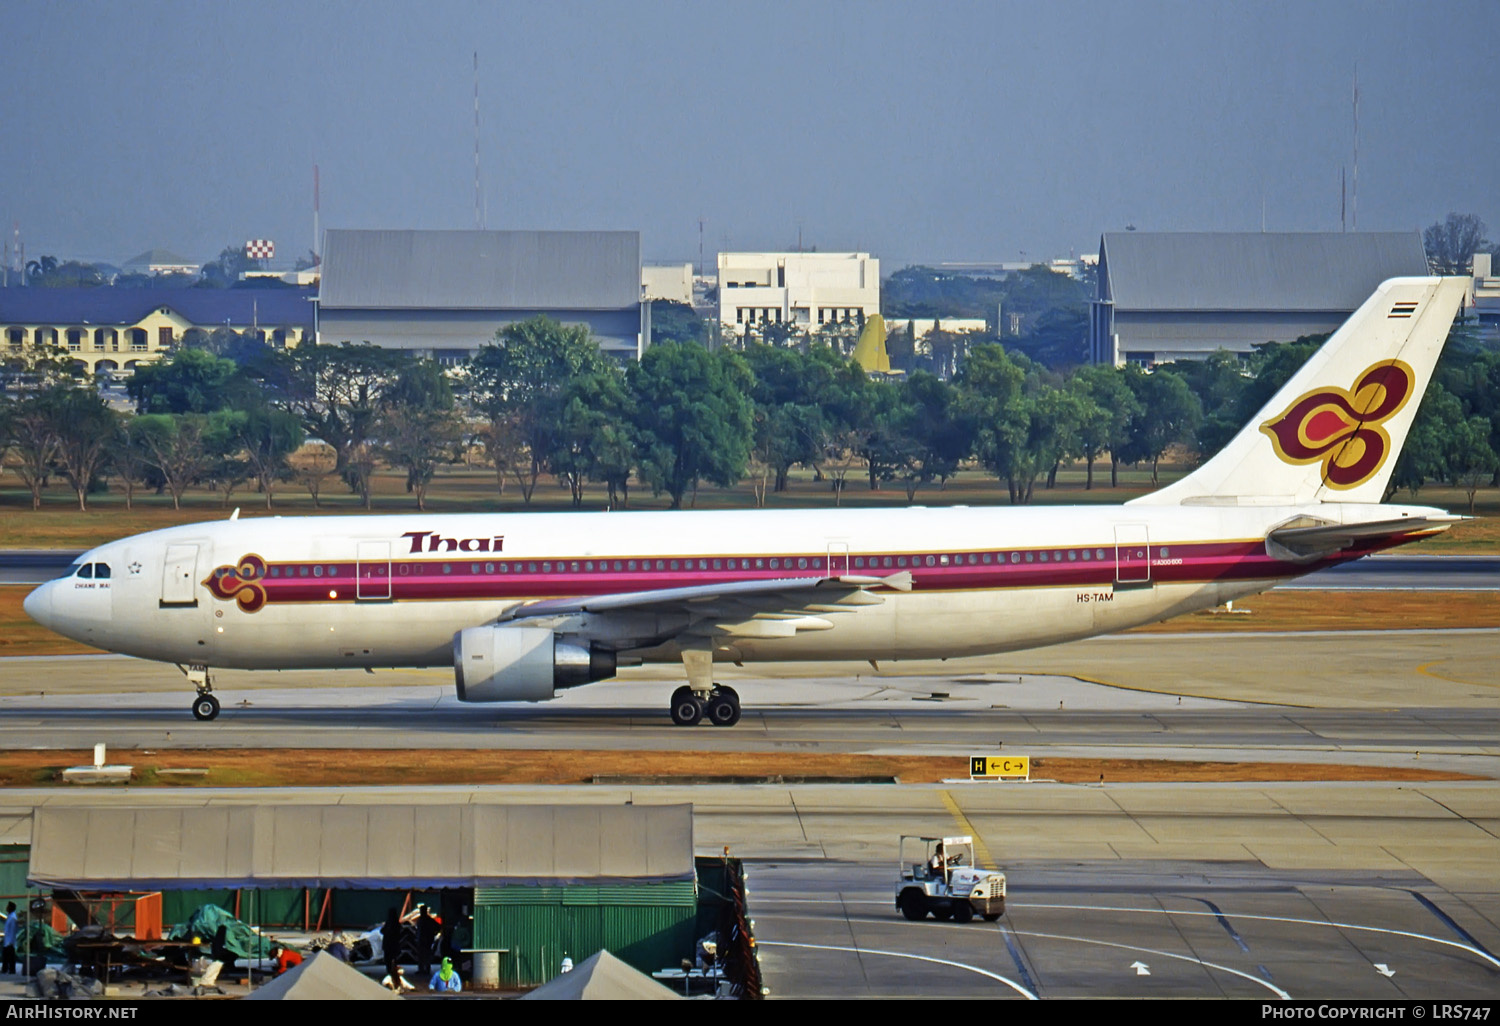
(1167, 296)
(445, 293)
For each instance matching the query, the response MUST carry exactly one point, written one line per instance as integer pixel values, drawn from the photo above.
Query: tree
(693, 417)
(85, 428)
(415, 438)
(31, 435)
(178, 446)
(676, 322)
(312, 465)
(1218, 381)
(595, 440)
(991, 400)
(190, 380)
(1108, 408)
(128, 457)
(521, 380)
(270, 436)
(336, 391)
(1168, 415)
(1452, 243)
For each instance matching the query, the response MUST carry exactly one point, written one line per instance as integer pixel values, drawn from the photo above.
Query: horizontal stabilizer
(1325, 539)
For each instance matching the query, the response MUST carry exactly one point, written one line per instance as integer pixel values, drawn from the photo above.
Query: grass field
(417, 768)
(60, 524)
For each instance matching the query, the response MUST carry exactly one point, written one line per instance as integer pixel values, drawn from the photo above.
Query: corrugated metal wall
(647, 926)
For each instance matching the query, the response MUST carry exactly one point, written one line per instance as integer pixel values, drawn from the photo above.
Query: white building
(808, 290)
(670, 282)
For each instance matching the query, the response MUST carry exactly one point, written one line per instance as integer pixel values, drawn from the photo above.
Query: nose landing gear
(205, 706)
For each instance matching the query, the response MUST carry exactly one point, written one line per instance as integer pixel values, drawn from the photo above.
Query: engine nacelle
(522, 664)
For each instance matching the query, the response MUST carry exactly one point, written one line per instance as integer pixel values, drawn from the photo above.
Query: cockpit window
(70, 571)
(86, 572)
(101, 571)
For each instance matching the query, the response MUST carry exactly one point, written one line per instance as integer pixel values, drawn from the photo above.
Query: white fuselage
(387, 591)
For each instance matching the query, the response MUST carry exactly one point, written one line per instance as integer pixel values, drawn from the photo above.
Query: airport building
(1167, 296)
(443, 294)
(1484, 297)
(671, 283)
(807, 290)
(109, 330)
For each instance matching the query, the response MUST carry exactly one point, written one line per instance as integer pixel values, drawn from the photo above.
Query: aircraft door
(838, 559)
(179, 576)
(1132, 554)
(373, 571)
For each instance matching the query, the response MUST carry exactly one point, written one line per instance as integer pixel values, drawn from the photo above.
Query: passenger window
(571, 566)
(1030, 556)
(718, 564)
(886, 562)
(1072, 555)
(1163, 552)
(673, 565)
(802, 564)
(900, 560)
(317, 571)
(932, 561)
(302, 571)
(1042, 556)
(985, 559)
(660, 565)
(447, 568)
(546, 568)
(1099, 553)
(1087, 554)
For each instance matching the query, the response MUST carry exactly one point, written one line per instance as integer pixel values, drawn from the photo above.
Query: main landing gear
(205, 706)
(721, 705)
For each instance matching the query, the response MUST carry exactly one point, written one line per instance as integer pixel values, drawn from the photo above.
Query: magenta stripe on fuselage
(482, 579)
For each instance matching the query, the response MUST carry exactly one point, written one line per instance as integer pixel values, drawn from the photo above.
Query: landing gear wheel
(723, 707)
(687, 712)
(963, 912)
(205, 707)
(913, 906)
(681, 695)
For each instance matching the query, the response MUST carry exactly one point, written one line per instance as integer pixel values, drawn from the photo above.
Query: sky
(917, 132)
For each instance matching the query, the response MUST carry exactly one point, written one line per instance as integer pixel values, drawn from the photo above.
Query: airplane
(526, 604)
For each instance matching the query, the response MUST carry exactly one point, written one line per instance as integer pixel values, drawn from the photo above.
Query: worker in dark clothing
(390, 941)
(218, 948)
(427, 931)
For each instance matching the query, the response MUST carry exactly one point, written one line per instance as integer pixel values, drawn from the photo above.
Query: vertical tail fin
(1334, 430)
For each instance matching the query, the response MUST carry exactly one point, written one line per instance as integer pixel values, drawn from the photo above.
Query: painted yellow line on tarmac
(1424, 671)
(981, 853)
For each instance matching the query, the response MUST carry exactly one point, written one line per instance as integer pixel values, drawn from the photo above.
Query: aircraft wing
(760, 609)
(1325, 539)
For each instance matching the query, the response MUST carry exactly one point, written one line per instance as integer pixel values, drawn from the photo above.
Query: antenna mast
(478, 211)
(1354, 198)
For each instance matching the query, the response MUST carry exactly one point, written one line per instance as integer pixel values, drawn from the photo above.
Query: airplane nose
(38, 605)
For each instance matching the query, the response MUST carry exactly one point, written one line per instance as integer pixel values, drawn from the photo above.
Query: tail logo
(240, 582)
(1342, 428)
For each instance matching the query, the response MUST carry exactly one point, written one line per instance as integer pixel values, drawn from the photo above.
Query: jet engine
(523, 664)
